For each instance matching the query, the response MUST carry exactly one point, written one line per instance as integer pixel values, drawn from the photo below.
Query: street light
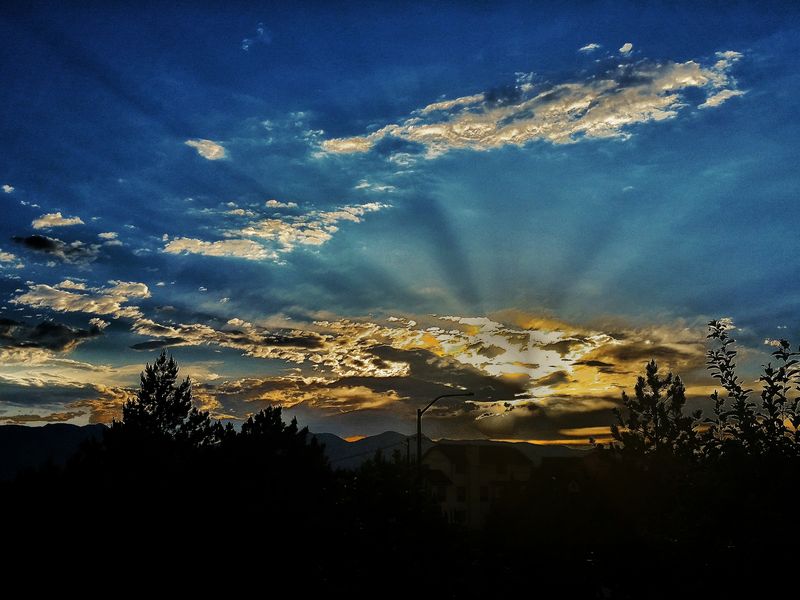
(420, 412)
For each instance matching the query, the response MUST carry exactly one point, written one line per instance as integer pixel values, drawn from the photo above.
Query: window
(461, 493)
(484, 493)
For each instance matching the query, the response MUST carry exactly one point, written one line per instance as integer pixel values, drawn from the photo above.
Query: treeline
(653, 422)
(169, 489)
(679, 505)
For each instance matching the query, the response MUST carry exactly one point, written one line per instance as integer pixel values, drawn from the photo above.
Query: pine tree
(163, 408)
(653, 421)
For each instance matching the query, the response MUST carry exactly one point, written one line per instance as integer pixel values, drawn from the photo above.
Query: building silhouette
(466, 479)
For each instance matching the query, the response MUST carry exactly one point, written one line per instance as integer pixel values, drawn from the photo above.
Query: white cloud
(55, 220)
(208, 149)
(99, 323)
(68, 284)
(717, 99)
(240, 248)
(278, 204)
(107, 235)
(8, 257)
(590, 47)
(268, 238)
(601, 106)
(626, 48)
(374, 187)
(8, 188)
(68, 296)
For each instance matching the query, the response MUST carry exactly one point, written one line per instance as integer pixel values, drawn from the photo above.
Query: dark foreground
(264, 505)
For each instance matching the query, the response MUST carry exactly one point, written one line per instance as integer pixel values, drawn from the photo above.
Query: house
(467, 478)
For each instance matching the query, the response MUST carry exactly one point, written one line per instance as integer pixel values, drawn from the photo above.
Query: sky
(348, 210)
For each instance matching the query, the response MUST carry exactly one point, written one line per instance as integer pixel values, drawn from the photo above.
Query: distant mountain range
(23, 447)
(349, 455)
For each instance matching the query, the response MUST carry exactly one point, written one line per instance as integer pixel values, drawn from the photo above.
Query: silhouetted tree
(653, 421)
(739, 426)
(164, 408)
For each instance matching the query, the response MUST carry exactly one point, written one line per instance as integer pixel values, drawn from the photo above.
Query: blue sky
(348, 210)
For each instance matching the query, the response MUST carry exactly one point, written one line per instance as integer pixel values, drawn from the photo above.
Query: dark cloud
(393, 145)
(602, 366)
(502, 95)
(629, 76)
(43, 393)
(517, 116)
(564, 346)
(554, 378)
(156, 344)
(47, 335)
(490, 351)
(57, 417)
(541, 424)
(644, 352)
(73, 252)
(430, 375)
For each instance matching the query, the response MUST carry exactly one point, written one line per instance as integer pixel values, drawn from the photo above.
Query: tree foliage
(654, 421)
(164, 408)
(739, 425)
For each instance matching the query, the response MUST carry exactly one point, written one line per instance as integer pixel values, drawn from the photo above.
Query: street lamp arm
(420, 412)
(432, 402)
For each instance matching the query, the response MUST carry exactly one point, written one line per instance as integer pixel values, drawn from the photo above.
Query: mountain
(535, 452)
(23, 447)
(350, 455)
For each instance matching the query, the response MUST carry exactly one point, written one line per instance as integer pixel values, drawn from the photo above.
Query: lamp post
(420, 412)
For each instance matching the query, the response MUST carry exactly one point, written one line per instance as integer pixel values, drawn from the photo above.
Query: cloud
(626, 48)
(533, 377)
(8, 188)
(717, 99)
(107, 235)
(601, 106)
(268, 238)
(55, 220)
(374, 187)
(103, 402)
(111, 301)
(590, 48)
(278, 204)
(8, 257)
(262, 36)
(57, 417)
(47, 335)
(74, 252)
(99, 323)
(541, 375)
(158, 344)
(239, 248)
(208, 149)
